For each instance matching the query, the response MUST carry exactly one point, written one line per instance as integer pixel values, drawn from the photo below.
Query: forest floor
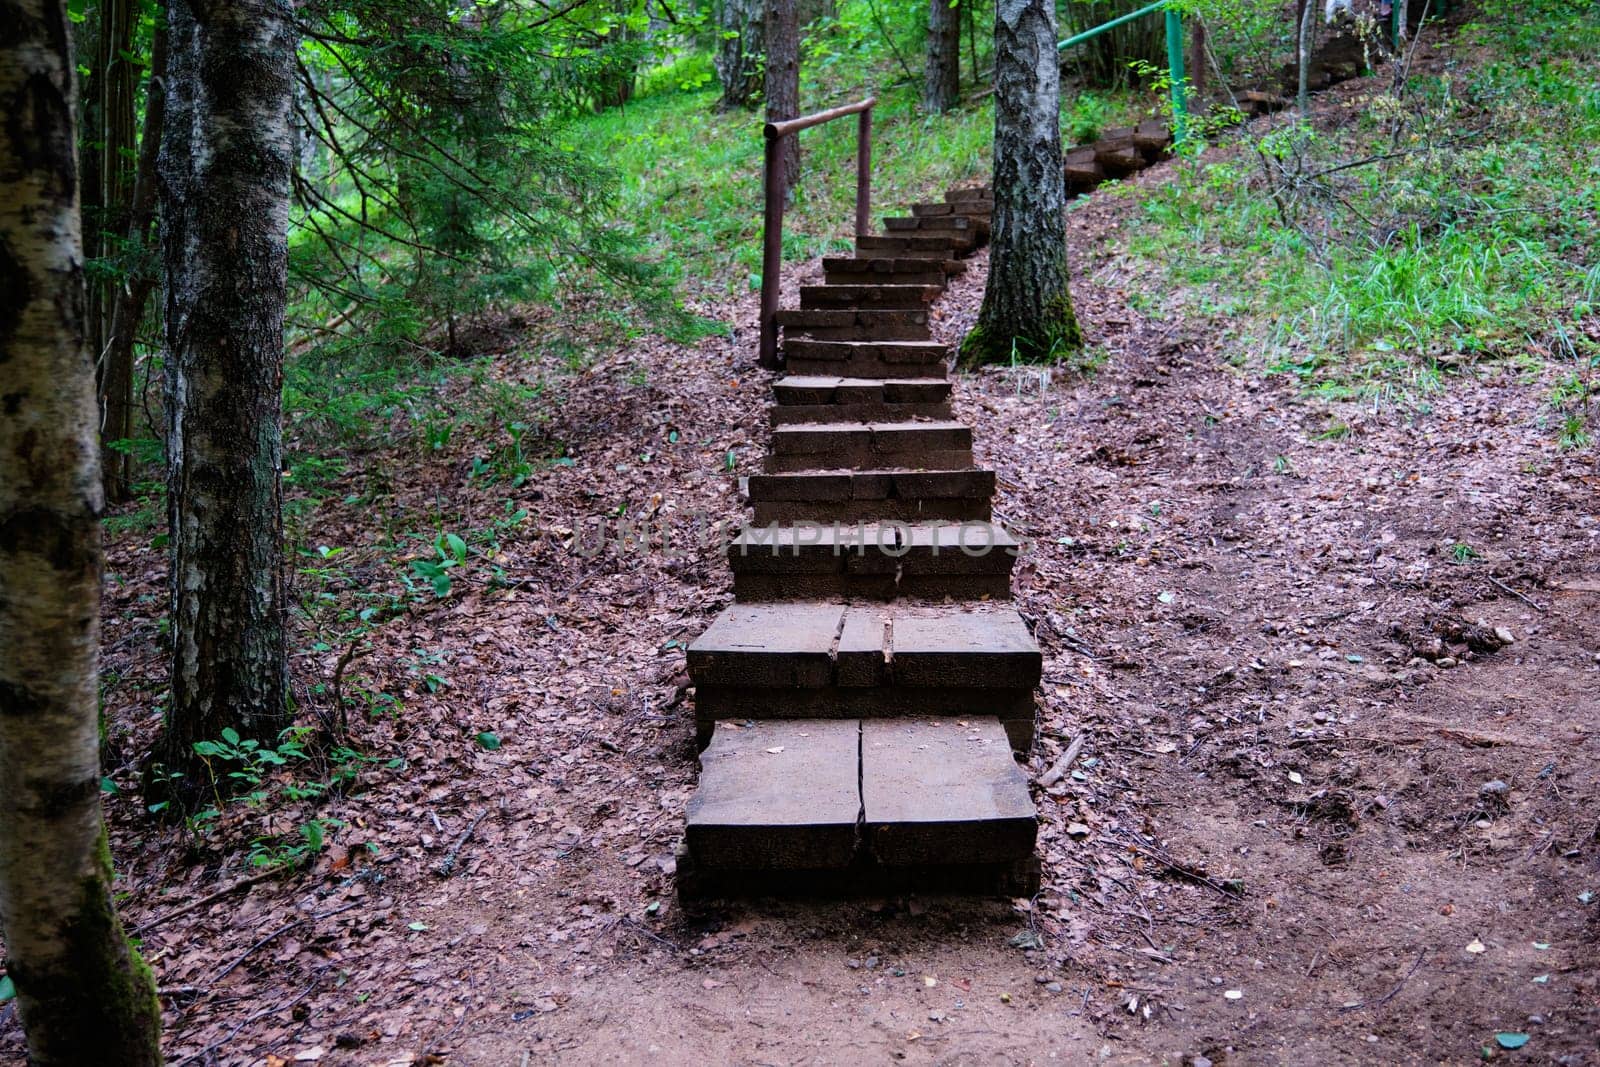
(1272, 618)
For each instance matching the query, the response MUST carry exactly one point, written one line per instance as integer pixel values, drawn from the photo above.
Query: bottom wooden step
(937, 803)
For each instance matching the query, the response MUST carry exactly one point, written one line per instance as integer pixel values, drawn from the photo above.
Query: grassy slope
(693, 176)
(1423, 266)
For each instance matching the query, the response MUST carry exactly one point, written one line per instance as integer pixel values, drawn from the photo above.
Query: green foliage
(1449, 224)
(450, 552)
(1085, 118)
(440, 182)
(1104, 60)
(245, 764)
(1249, 40)
(250, 776)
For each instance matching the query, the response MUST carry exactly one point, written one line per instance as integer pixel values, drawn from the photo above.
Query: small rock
(1052, 987)
(1495, 788)
(872, 962)
(1077, 830)
(1445, 662)
(1200, 1061)
(1506, 636)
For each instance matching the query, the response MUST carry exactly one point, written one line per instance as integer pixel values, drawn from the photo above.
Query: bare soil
(1310, 822)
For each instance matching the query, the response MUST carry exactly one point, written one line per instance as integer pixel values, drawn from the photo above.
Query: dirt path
(1277, 797)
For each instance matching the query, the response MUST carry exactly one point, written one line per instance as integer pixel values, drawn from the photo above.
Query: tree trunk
(738, 58)
(972, 39)
(1027, 310)
(941, 83)
(128, 303)
(225, 163)
(783, 80)
(107, 200)
(1303, 58)
(83, 993)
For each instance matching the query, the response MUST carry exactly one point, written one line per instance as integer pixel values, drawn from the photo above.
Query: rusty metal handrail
(772, 226)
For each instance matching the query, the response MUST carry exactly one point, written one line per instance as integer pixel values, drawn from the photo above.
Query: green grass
(692, 174)
(1414, 269)
(692, 177)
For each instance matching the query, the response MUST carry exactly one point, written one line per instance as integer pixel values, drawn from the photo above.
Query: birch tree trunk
(225, 163)
(84, 995)
(783, 80)
(1303, 34)
(738, 58)
(1027, 310)
(941, 82)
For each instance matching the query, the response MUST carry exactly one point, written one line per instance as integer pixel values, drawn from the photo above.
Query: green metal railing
(1180, 103)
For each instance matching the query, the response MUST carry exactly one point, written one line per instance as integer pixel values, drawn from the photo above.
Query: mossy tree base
(1048, 341)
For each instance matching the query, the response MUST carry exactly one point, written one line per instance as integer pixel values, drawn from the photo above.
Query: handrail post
(864, 173)
(771, 251)
(776, 193)
(1180, 103)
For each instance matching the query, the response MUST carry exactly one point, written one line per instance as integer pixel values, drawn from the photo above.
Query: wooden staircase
(859, 704)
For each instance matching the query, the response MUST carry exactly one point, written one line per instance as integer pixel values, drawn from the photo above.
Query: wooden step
(910, 270)
(938, 791)
(812, 446)
(875, 297)
(797, 794)
(1259, 102)
(969, 192)
(878, 561)
(848, 496)
(830, 660)
(969, 208)
(974, 229)
(1153, 139)
(865, 359)
(828, 398)
(1117, 154)
(781, 794)
(1082, 172)
(932, 804)
(855, 324)
(920, 245)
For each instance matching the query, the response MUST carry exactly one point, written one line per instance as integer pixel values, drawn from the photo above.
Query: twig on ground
(210, 898)
(1060, 768)
(247, 1020)
(638, 927)
(339, 726)
(1232, 890)
(435, 1046)
(1535, 605)
(447, 866)
(1393, 992)
(279, 932)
